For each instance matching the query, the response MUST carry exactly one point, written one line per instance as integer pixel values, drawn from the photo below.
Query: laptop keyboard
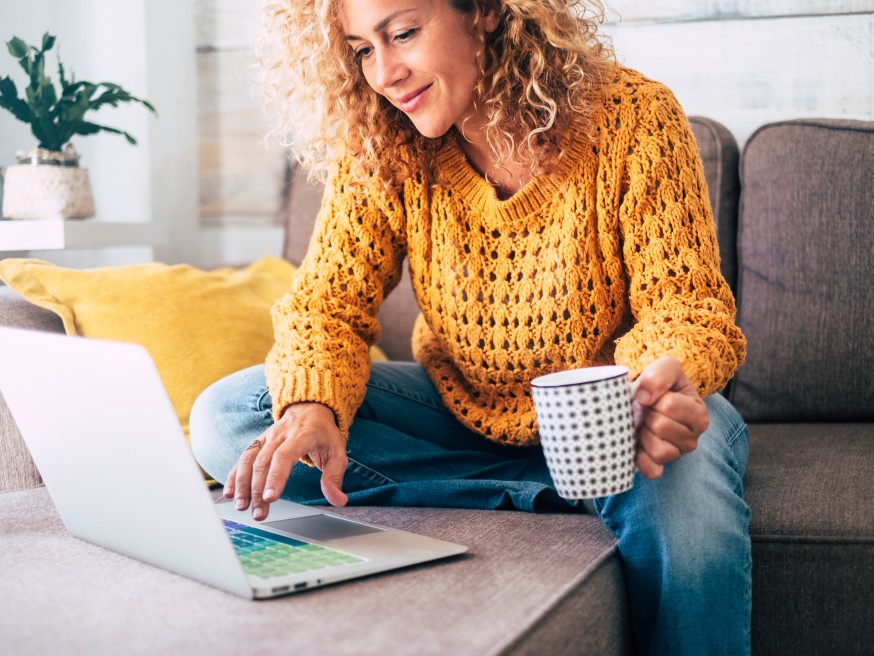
(266, 555)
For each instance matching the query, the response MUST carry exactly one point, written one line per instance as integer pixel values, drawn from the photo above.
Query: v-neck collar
(461, 178)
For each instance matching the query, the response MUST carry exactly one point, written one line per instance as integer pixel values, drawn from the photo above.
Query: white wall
(146, 46)
(241, 193)
(742, 62)
(747, 62)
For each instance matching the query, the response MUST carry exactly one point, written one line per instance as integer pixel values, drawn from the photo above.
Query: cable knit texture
(612, 257)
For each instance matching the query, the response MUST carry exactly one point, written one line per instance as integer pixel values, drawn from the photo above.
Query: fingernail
(642, 396)
(239, 504)
(268, 493)
(257, 513)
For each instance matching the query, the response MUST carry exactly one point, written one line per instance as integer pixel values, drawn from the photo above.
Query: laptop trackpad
(322, 527)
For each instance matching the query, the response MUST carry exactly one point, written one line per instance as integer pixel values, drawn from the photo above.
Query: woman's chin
(430, 130)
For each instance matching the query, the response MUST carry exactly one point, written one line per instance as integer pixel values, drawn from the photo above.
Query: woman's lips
(412, 101)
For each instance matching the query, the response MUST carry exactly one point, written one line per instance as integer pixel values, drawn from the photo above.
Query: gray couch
(796, 229)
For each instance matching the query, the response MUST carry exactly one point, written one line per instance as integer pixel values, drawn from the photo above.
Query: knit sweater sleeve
(680, 302)
(325, 324)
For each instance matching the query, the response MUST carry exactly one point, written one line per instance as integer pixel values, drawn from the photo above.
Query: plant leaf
(62, 78)
(9, 100)
(49, 135)
(17, 48)
(55, 116)
(86, 127)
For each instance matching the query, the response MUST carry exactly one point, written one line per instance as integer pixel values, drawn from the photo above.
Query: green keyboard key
(263, 556)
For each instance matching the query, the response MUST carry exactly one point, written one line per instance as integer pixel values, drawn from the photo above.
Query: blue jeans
(683, 538)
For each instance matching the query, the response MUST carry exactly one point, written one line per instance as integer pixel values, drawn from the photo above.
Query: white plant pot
(46, 191)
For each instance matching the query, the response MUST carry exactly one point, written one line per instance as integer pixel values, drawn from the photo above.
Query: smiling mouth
(411, 101)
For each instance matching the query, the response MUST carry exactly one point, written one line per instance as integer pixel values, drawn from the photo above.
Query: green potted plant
(47, 181)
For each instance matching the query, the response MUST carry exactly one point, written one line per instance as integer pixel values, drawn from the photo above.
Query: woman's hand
(674, 416)
(263, 469)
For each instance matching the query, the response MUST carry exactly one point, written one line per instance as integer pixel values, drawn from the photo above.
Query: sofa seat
(810, 489)
(531, 584)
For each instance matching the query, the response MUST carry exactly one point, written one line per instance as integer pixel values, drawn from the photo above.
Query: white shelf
(57, 234)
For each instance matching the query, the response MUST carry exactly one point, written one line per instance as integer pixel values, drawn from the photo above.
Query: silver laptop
(105, 438)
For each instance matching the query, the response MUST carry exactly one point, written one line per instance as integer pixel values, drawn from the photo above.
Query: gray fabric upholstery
(809, 487)
(62, 595)
(19, 313)
(806, 238)
(17, 470)
(812, 482)
(720, 156)
(398, 311)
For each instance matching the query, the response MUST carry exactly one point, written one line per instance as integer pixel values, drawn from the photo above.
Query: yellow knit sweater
(610, 258)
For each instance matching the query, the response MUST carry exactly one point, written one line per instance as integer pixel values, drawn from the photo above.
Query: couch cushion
(805, 286)
(809, 487)
(720, 155)
(17, 312)
(197, 325)
(531, 584)
(17, 470)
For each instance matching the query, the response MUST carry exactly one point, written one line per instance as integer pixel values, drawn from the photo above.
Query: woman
(553, 210)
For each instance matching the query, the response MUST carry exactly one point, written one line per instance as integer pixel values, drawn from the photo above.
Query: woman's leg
(227, 417)
(405, 448)
(685, 546)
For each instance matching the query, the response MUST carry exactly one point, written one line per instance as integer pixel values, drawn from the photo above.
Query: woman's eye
(406, 35)
(363, 52)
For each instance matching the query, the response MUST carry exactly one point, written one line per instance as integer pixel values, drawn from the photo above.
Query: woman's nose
(389, 69)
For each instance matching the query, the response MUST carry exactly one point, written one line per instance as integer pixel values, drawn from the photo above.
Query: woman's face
(421, 55)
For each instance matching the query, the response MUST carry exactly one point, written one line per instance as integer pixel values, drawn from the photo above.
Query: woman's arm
(324, 327)
(684, 341)
(681, 305)
(326, 323)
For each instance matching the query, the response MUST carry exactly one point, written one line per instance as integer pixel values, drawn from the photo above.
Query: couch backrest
(806, 286)
(719, 153)
(17, 470)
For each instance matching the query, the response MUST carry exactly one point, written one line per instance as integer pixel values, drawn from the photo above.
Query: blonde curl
(543, 69)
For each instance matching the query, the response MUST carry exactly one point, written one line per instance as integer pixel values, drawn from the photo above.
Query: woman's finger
(647, 467)
(281, 465)
(260, 467)
(245, 465)
(333, 465)
(228, 490)
(660, 451)
(686, 409)
(666, 428)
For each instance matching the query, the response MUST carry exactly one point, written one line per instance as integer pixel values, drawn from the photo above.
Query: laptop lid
(105, 438)
(112, 455)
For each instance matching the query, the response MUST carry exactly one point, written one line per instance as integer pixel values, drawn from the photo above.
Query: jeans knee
(226, 416)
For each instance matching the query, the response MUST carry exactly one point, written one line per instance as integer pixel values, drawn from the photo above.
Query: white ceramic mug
(587, 430)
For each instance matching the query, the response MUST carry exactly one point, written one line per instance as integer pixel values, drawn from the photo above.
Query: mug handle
(638, 415)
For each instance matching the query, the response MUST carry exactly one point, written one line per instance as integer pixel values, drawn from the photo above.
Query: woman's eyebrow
(381, 24)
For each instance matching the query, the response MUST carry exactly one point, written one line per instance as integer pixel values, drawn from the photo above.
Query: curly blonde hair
(543, 68)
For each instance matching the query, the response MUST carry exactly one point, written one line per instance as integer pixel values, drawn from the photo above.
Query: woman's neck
(506, 177)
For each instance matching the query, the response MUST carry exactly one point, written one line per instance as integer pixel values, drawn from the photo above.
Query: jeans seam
(740, 429)
(370, 472)
(259, 401)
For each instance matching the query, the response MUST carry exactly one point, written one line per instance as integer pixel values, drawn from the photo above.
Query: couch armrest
(17, 470)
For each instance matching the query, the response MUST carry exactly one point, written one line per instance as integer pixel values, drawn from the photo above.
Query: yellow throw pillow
(198, 326)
